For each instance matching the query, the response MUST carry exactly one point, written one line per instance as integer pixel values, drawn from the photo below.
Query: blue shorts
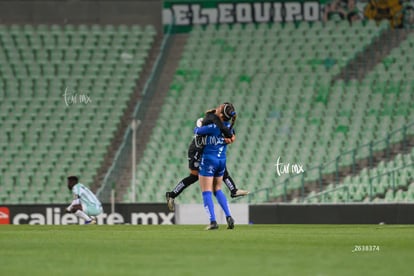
(211, 166)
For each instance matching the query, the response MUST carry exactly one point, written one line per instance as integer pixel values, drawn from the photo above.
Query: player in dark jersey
(195, 151)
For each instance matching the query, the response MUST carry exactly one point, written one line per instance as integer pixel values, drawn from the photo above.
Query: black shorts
(194, 156)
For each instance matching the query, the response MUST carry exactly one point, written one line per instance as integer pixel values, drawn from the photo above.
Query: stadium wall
(195, 214)
(85, 12)
(157, 213)
(332, 214)
(151, 213)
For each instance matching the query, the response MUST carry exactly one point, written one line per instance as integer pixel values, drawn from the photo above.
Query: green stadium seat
(275, 81)
(48, 59)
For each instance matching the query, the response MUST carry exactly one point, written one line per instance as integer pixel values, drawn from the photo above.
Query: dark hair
(228, 111)
(73, 178)
(210, 111)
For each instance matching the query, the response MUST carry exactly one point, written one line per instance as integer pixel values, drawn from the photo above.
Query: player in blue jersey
(213, 165)
(85, 204)
(195, 151)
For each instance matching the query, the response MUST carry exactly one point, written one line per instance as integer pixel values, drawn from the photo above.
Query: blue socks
(209, 205)
(222, 200)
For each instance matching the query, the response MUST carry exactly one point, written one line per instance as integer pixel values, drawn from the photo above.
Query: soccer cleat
(239, 193)
(92, 221)
(213, 226)
(230, 223)
(170, 202)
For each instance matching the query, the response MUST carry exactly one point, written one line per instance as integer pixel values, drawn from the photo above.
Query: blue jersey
(214, 144)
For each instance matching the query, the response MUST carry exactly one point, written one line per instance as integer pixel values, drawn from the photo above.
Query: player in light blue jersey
(213, 164)
(85, 204)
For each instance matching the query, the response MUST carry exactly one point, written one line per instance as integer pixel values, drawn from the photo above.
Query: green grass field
(189, 250)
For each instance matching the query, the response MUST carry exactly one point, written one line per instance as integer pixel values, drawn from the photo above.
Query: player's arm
(213, 118)
(205, 130)
(75, 205)
(230, 140)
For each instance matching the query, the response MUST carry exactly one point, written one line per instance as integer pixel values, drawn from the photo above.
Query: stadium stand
(390, 181)
(45, 135)
(389, 108)
(280, 77)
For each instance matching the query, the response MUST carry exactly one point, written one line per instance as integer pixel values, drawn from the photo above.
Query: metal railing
(309, 199)
(348, 160)
(123, 154)
(391, 183)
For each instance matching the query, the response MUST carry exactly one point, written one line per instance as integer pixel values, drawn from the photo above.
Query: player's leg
(206, 179)
(181, 186)
(206, 183)
(184, 183)
(78, 210)
(222, 200)
(93, 211)
(193, 165)
(234, 192)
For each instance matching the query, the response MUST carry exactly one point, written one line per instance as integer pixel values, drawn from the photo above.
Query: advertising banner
(189, 13)
(195, 214)
(55, 214)
(184, 14)
(354, 213)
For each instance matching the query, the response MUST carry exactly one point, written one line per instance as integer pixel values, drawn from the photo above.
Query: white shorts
(92, 210)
